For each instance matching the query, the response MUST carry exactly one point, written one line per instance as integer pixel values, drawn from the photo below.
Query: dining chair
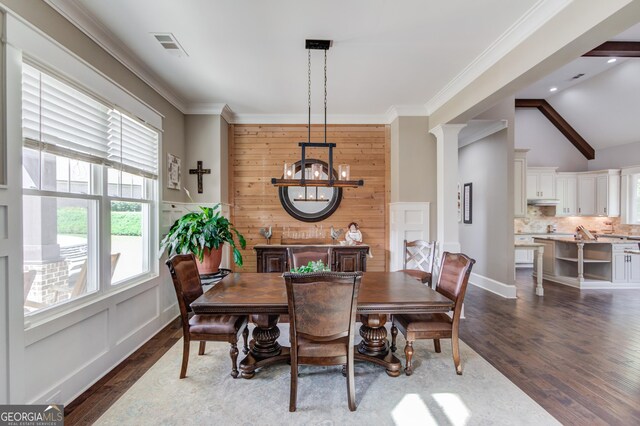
(322, 312)
(418, 259)
(301, 256)
(203, 328)
(452, 283)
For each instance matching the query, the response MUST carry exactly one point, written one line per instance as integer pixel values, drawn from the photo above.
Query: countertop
(543, 233)
(598, 241)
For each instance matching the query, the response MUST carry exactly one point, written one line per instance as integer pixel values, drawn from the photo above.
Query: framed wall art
(173, 171)
(468, 203)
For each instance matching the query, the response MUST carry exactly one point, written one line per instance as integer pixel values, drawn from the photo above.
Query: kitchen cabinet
(567, 193)
(524, 258)
(625, 267)
(541, 183)
(586, 194)
(520, 182)
(608, 193)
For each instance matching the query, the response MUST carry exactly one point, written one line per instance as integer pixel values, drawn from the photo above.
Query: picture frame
(459, 203)
(468, 203)
(174, 171)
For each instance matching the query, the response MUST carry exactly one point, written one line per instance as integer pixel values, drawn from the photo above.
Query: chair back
(186, 281)
(454, 277)
(322, 305)
(419, 255)
(301, 256)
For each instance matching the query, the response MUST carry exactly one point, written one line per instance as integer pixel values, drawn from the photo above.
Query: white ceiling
(250, 54)
(602, 105)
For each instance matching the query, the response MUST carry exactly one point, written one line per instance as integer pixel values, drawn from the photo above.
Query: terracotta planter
(210, 262)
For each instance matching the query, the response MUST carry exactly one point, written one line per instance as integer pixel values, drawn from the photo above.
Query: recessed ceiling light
(553, 89)
(612, 60)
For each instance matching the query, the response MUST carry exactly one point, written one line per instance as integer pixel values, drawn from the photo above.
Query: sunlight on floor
(411, 410)
(453, 407)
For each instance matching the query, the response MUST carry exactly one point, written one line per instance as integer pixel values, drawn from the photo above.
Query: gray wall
(413, 164)
(616, 157)
(53, 24)
(488, 165)
(548, 147)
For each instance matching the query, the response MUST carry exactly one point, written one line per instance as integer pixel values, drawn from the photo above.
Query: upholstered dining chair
(216, 328)
(301, 256)
(418, 259)
(322, 312)
(452, 283)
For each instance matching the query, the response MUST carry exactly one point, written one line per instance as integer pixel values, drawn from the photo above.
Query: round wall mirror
(310, 204)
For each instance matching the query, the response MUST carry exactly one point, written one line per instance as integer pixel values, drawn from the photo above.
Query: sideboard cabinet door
(350, 260)
(272, 260)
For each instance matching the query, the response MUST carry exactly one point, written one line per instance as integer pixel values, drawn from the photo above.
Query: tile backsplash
(539, 217)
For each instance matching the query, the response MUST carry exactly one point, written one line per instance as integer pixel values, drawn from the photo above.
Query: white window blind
(61, 119)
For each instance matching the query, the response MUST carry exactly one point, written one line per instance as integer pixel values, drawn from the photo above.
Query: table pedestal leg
(539, 258)
(374, 346)
(264, 348)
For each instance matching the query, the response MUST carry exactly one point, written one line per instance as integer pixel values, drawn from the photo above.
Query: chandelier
(310, 172)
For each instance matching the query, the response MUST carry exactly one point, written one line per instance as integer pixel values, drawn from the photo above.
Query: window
(88, 171)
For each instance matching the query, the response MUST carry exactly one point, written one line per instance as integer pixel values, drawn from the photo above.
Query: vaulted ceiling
(603, 104)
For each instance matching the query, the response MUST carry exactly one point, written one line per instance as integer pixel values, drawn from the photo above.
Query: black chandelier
(315, 173)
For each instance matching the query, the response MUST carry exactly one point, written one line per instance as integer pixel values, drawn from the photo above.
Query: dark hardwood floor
(575, 353)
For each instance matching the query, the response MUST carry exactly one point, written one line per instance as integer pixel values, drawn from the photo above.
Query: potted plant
(204, 233)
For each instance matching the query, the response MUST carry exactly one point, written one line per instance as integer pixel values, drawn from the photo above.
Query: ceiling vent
(169, 43)
(577, 76)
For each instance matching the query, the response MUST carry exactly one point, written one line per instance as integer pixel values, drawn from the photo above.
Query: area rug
(433, 395)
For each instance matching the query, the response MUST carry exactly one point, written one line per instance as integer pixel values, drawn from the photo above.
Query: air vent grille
(577, 76)
(169, 42)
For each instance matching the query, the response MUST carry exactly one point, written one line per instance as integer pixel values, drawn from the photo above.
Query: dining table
(263, 297)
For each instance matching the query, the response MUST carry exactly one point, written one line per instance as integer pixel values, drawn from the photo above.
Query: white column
(447, 182)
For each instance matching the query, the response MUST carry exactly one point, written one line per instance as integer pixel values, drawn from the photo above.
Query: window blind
(62, 120)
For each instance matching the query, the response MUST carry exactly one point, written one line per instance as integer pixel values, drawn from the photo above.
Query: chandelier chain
(325, 96)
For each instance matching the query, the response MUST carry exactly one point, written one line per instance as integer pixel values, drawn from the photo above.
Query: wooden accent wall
(257, 154)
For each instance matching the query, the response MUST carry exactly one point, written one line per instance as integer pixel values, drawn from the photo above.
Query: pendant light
(311, 173)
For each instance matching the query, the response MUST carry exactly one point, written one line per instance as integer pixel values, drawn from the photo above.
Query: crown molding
(211, 109)
(524, 27)
(316, 119)
(490, 127)
(396, 111)
(77, 15)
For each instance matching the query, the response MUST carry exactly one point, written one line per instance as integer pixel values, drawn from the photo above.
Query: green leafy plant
(312, 266)
(200, 230)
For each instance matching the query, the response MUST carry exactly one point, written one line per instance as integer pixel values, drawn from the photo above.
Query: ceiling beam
(561, 124)
(621, 49)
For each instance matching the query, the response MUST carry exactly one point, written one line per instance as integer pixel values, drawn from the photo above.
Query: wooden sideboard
(273, 258)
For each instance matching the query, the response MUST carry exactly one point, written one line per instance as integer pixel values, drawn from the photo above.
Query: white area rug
(434, 394)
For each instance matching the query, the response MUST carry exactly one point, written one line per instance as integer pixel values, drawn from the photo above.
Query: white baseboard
(501, 289)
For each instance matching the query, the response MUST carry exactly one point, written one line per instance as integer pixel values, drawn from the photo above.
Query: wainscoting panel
(409, 221)
(257, 154)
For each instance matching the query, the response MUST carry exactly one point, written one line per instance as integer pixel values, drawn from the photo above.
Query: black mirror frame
(323, 214)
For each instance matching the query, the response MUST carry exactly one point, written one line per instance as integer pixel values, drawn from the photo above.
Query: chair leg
(436, 345)
(394, 335)
(245, 337)
(202, 346)
(233, 352)
(293, 396)
(408, 353)
(185, 357)
(455, 346)
(351, 387)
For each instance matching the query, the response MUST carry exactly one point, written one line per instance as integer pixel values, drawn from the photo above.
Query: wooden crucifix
(199, 171)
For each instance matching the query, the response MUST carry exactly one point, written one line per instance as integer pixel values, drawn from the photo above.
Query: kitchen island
(591, 264)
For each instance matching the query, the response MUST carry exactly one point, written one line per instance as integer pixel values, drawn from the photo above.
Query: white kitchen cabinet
(625, 267)
(567, 194)
(608, 193)
(520, 183)
(541, 183)
(586, 194)
(524, 258)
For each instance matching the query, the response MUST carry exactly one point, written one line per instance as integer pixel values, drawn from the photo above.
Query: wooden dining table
(264, 298)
